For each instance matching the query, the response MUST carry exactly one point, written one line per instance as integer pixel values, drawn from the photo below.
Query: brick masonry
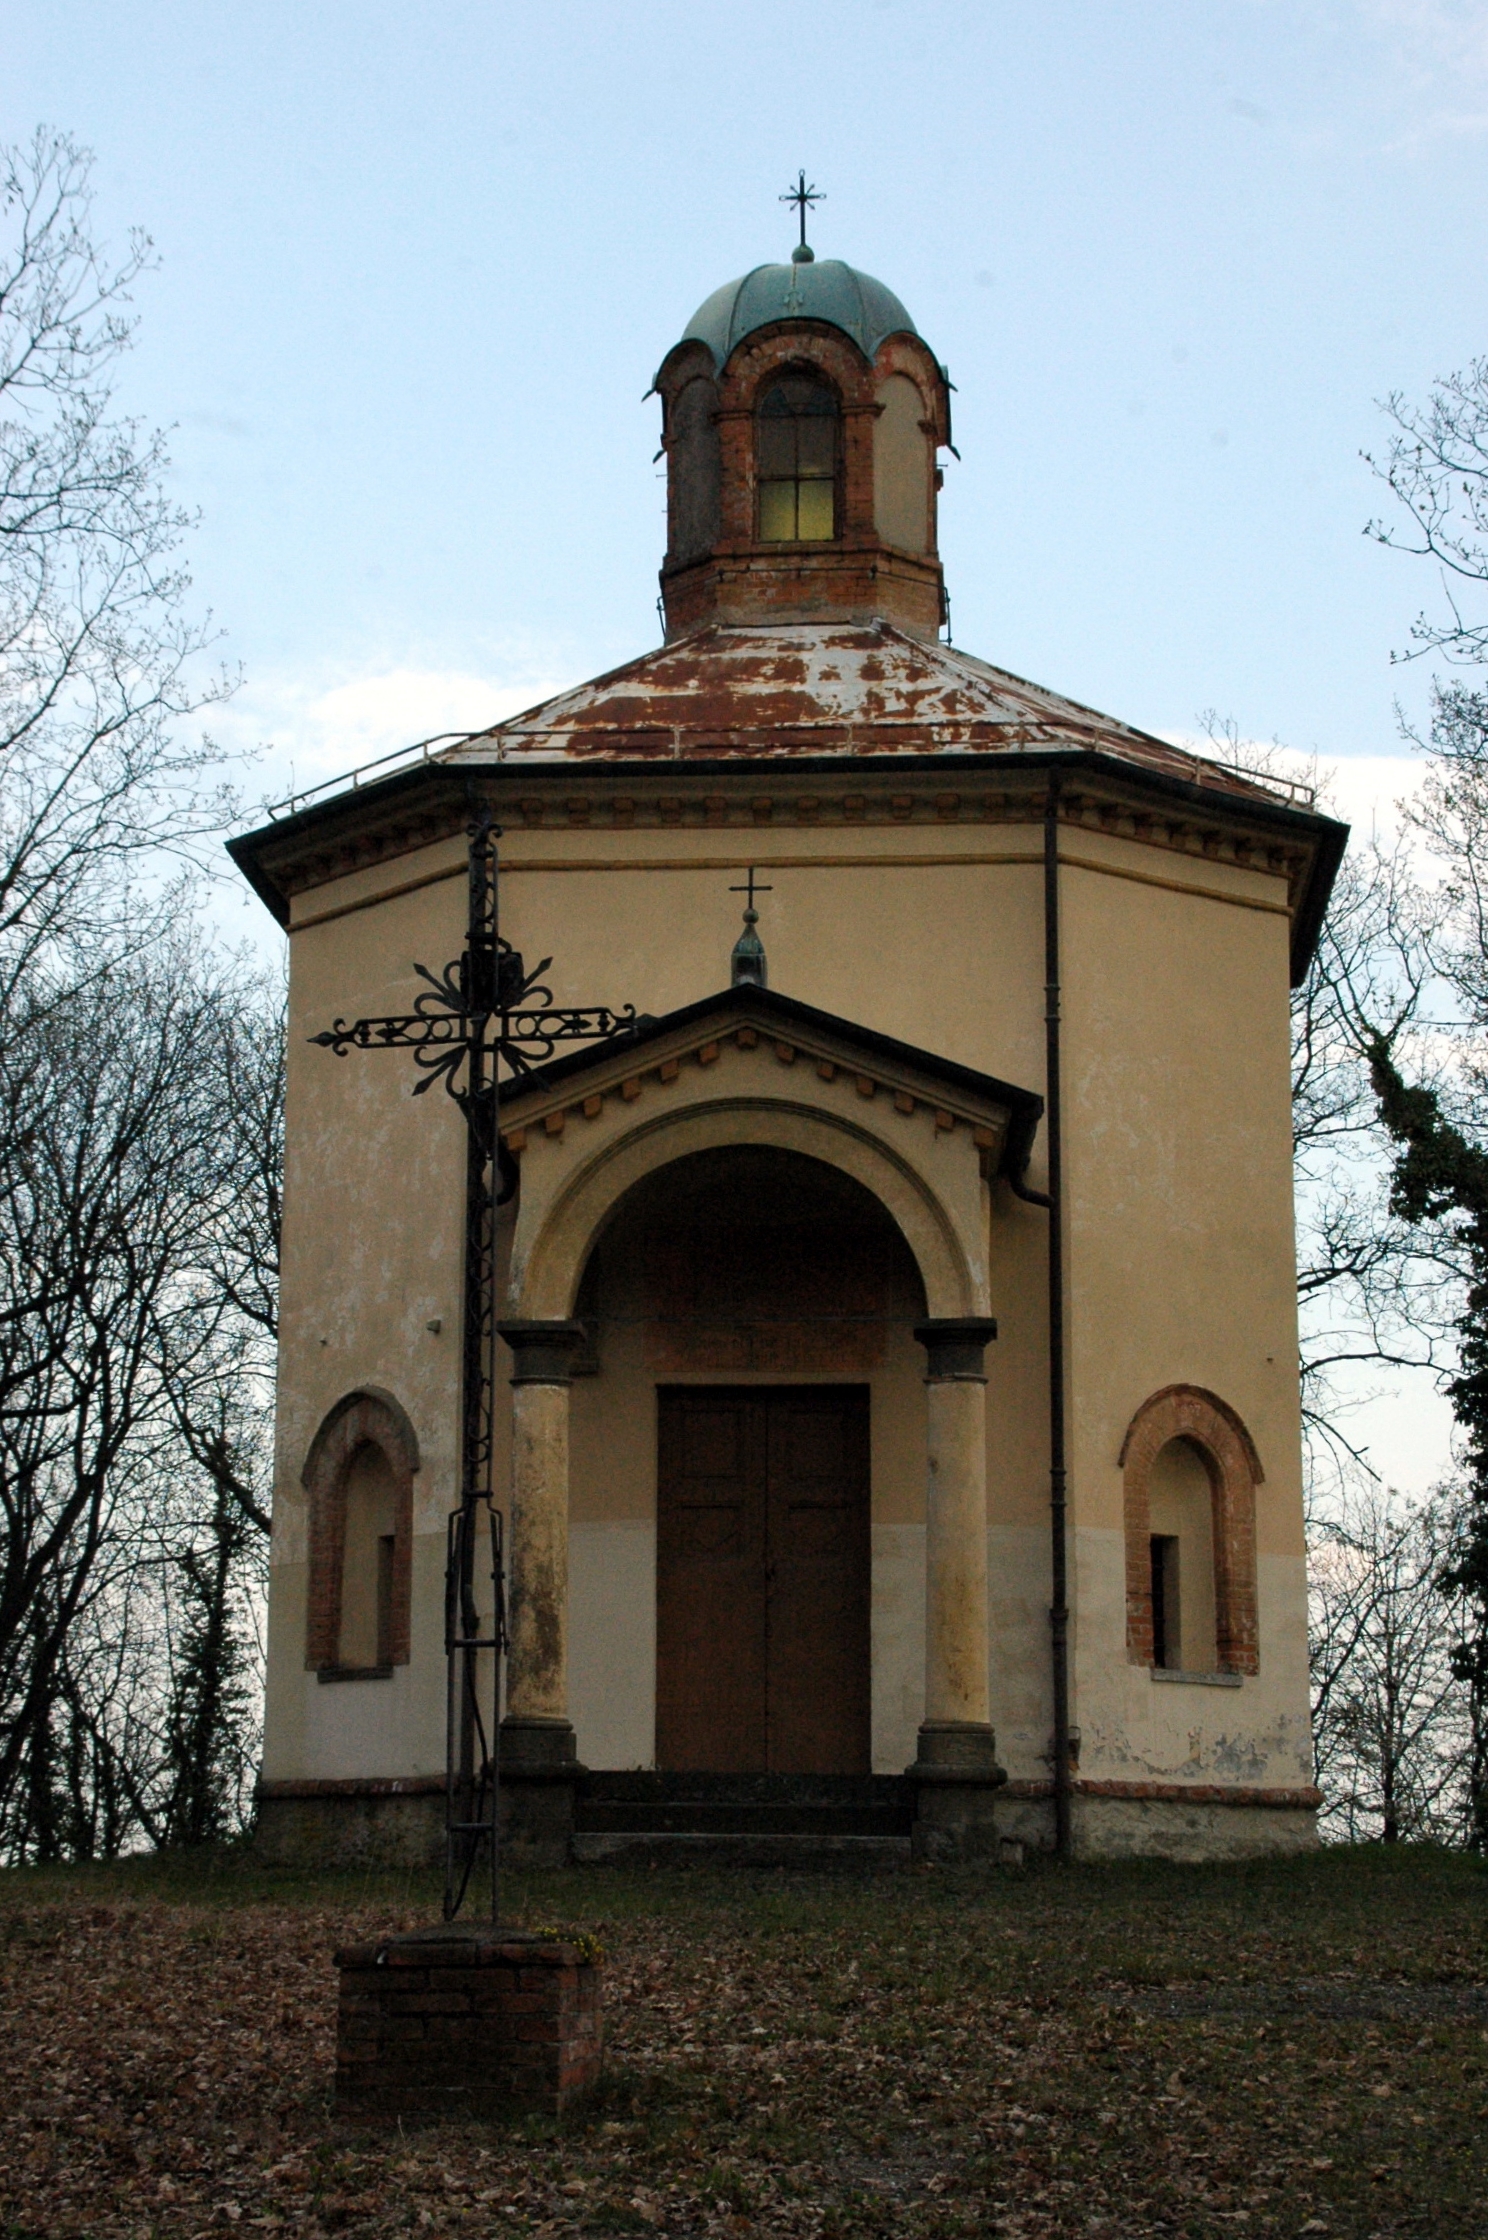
(452, 2022)
(738, 578)
(362, 1418)
(1187, 1411)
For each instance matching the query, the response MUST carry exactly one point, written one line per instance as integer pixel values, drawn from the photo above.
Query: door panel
(763, 1580)
(710, 1584)
(818, 1579)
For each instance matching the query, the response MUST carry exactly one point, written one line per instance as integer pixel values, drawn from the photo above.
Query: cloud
(1438, 56)
(1371, 792)
(303, 731)
(1436, 37)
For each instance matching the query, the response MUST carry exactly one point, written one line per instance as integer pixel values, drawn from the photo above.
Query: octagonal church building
(901, 1451)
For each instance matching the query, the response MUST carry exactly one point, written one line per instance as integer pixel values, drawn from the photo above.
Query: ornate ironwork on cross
(804, 198)
(483, 1012)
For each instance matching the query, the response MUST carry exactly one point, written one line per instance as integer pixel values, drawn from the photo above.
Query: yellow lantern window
(797, 463)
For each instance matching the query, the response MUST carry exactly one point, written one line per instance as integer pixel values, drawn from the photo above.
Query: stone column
(539, 1766)
(956, 1769)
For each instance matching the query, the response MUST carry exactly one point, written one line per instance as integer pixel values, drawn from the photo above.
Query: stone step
(749, 1788)
(639, 1847)
(686, 1816)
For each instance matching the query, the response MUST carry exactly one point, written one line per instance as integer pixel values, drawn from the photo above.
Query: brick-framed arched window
(1176, 1434)
(359, 1477)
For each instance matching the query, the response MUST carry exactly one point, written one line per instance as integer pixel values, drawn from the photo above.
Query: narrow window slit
(1166, 1642)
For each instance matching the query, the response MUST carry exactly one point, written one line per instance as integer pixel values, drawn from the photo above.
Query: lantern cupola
(801, 420)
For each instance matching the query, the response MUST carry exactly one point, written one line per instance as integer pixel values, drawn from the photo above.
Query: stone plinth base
(540, 1774)
(956, 1778)
(457, 2022)
(1114, 1820)
(350, 1824)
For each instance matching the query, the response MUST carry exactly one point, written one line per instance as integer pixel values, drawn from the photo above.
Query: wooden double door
(763, 1574)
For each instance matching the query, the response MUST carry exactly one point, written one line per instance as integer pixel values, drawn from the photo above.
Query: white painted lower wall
(1135, 1728)
(612, 1643)
(357, 1730)
(898, 1644)
(1021, 1693)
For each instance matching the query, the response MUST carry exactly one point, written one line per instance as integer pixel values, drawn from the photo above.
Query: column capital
(955, 1346)
(543, 1352)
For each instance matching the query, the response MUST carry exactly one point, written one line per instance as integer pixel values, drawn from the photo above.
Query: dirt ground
(1298, 2048)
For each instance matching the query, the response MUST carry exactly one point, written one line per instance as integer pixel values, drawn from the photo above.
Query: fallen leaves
(808, 2058)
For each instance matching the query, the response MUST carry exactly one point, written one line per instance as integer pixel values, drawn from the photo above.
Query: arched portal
(751, 1258)
(747, 1493)
(747, 1302)
(558, 1227)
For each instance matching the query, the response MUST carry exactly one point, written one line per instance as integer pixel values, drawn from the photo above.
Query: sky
(419, 264)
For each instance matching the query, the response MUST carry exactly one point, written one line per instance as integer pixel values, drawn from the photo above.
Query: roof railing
(1300, 795)
(422, 750)
(440, 743)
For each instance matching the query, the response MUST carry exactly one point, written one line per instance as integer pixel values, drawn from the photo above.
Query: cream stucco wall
(1180, 1269)
(1179, 1249)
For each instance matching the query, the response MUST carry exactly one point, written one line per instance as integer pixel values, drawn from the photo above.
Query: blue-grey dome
(834, 292)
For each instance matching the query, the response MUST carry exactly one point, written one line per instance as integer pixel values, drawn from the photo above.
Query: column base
(540, 1773)
(956, 1777)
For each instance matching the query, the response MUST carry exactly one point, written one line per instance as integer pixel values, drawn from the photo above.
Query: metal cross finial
(803, 197)
(747, 965)
(752, 889)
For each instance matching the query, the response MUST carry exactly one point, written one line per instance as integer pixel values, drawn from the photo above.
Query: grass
(1284, 2047)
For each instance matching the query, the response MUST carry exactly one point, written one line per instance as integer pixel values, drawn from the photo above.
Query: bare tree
(139, 1101)
(1452, 819)
(132, 1408)
(99, 661)
(1368, 1296)
(1391, 1727)
(1437, 1112)
(1436, 466)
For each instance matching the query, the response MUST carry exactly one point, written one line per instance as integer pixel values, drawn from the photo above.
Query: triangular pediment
(777, 1036)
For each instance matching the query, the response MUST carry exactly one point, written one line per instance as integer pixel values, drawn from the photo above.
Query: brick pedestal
(455, 2021)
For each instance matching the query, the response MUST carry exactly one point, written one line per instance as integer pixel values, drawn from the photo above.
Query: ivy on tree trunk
(1441, 1175)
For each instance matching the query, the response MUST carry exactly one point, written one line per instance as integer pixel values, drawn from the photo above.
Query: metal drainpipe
(1054, 1202)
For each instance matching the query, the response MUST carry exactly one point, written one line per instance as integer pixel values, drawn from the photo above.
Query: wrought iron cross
(803, 197)
(483, 1012)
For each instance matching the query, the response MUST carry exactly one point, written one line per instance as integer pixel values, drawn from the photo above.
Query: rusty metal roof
(789, 690)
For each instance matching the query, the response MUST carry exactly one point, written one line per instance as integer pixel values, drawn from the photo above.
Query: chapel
(898, 1423)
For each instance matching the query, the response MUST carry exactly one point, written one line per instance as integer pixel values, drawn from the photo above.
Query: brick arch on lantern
(765, 358)
(1225, 1446)
(367, 1417)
